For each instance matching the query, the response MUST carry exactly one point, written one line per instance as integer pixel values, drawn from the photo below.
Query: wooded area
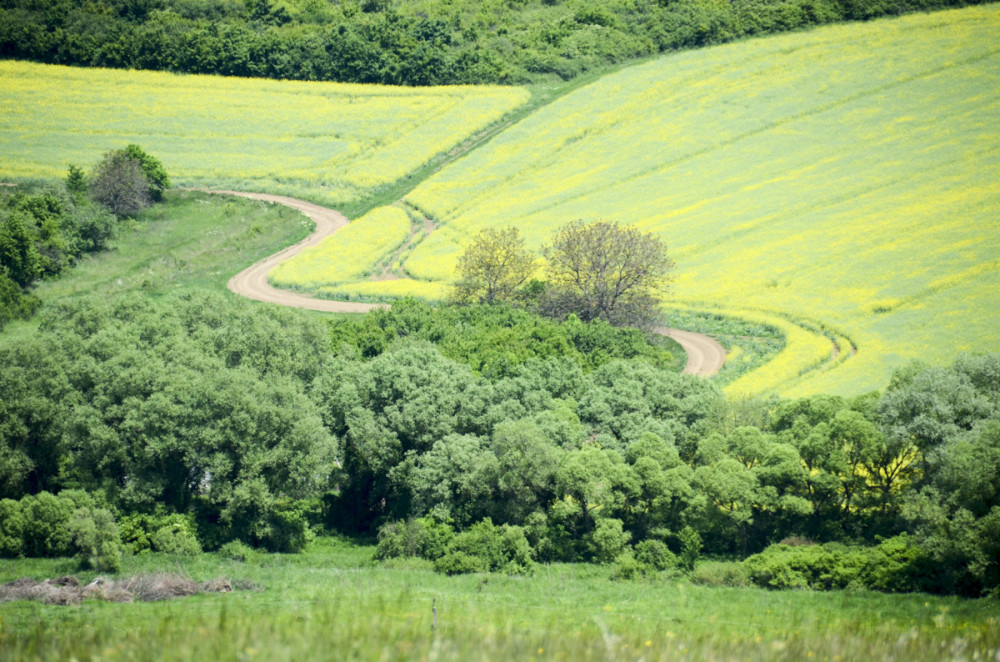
(399, 43)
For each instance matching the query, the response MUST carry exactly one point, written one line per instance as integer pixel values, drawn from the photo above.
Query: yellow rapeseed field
(844, 180)
(330, 142)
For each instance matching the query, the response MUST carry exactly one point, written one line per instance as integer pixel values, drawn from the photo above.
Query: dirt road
(705, 355)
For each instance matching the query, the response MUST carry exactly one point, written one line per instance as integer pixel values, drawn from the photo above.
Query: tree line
(394, 42)
(481, 438)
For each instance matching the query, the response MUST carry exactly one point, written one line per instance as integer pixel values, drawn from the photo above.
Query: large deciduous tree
(493, 266)
(602, 270)
(119, 183)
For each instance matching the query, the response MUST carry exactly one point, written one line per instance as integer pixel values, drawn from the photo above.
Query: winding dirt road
(705, 355)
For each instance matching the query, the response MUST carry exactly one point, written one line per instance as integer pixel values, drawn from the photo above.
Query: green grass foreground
(332, 603)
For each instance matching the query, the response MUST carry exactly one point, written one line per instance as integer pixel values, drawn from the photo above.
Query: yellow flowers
(845, 180)
(347, 255)
(327, 141)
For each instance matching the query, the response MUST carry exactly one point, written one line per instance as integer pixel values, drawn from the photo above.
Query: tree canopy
(601, 270)
(493, 266)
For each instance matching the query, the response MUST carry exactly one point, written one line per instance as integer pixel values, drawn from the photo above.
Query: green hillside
(843, 182)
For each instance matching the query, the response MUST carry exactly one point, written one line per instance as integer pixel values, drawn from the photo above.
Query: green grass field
(331, 603)
(332, 143)
(190, 242)
(845, 180)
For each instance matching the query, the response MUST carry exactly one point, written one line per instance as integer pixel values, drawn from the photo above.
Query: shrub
(175, 534)
(485, 547)
(627, 567)
(608, 540)
(424, 537)
(12, 527)
(656, 555)
(98, 542)
(119, 184)
(46, 530)
(287, 528)
(720, 573)
(690, 548)
(459, 563)
(237, 550)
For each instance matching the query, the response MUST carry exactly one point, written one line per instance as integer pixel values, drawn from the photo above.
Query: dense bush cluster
(395, 42)
(484, 438)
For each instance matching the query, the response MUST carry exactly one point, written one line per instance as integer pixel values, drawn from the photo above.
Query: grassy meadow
(190, 242)
(332, 143)
(332, 603)
(841, 182)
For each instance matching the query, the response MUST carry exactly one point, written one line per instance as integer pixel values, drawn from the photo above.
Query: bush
(656, 555)
(46, 530)
(98, 542)
(237, 550)
(423, 537)
(720, 573)
(460, 563)
(12, 527)
(485, 547)
(176, 537)
(119, 184)
(608, 540)
(155, 173)
(824, 567)
(690, 548)
(286, 529)
(627, 567)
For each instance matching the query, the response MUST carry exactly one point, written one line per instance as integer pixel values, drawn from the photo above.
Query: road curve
(705, 355)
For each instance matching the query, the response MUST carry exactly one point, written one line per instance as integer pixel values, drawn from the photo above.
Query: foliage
(601, 270)
(400, 43)
(493, 266)
(485, 547)
(259, 424)
(156, 174)
(119, 183)
(732, 574)
(498, 341)
(64, 524)
(202, 417)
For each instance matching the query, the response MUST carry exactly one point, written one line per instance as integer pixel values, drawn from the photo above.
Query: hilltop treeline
(480, 438)
(395, 42)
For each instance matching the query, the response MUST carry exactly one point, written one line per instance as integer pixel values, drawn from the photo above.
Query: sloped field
(843, 182)
(329, 142)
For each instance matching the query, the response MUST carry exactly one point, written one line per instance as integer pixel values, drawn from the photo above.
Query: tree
(604, 271)
(76, 181)
(119, 184)
(157, 175)
(493, 266)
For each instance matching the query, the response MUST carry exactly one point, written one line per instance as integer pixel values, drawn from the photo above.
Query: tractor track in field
(705, 355)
